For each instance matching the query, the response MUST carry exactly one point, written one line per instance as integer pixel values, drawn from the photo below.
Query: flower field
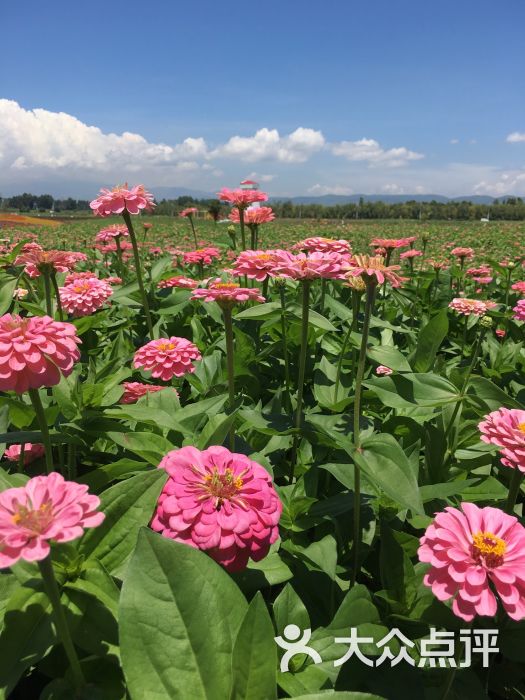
(261, 459)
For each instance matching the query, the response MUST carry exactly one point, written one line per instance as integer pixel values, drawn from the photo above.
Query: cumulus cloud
(370, 151)
(319, 189)
(502, 183)
(258, 177)
(516, 137)
(454, 141)
(268, 144)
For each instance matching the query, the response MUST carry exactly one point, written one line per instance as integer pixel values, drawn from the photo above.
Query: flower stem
(514, 490)
(228, 327)
(351, 329)
(194, 232)
(50, 583)
(287, 382)
(243, 233)
(302, 368)
(42, 422)
(138, 269)
(57, 296)
(47, 293)
(369, 305)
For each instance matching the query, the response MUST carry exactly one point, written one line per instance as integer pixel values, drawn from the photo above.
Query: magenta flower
(519, 310)
(84, 296)
(318, 244)
(471, 551)
(310, 267)
(218, 501)
(202, 255)
(519, 287)
(466, 307)
(178, 281)
(382, 370)
(506, 429)
(241, 198)
(256, 264)
(31, 452)
(35, 352)
(167, 357)
(133, 391)
(118, 199)
(46, 508)
(227, 293)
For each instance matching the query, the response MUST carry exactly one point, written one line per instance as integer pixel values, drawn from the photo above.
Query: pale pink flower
(46, 508)
(481, 271)
(178, 281)
(20, 293)
(374, 271)
(76, 276)
(256, 264)
(506, 429)
(227, 293)
(318, 244)
(437, 265)
(470, 551)
(220, 502)
(167, 357)
(463, 253)
(466, 307)
(133, 391)
(206, 256)
(31, 452)
(389, 243)
(253, 217)
(413, 253)
(113, 280)
(310, 267)
(519, 310)
(241, 198)
(111, 232)
(38, 261)
(189, 212)
(382, 370)
(35, 352)
(120, 198)
(84, 296)
(519, 287)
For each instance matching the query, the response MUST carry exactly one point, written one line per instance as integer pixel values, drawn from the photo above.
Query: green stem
(302, 368)
(228, 327)
(287, 382)
(323, 294)
(138, 270)
(21, 457)
(50, 583)
(119, 256)
(57, 296)
(194, 232)
(514, 490)
(243, 233)
(47, 293)
(42, 422)
(369, 305)
(351, 329)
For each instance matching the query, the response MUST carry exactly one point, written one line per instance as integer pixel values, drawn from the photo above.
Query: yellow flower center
(223, 486)
(226, 285)
(34, 520)
(488, 549)
(521, 427)
(165, 345)
(81, 287)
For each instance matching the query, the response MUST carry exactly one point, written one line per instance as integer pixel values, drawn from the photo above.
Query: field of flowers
(261, 459)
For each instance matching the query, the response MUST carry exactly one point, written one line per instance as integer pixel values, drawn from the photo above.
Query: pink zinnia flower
(46, 508)
(389, 243)
(519, 287)
(201, 255)
(506, 429)
(113, 280)
(241, 198)
(227, 293)
(519, 310)
(111, 232)
(218, 501)
(256, 264)
(31, 452)
(167, 357)
(437, 265)
(133, 391)
(374, 271)
(253, 217)
(413, 253)
(118, 199)
(469, 551)
(382, 370)
(84, 296)
(178, 281)
(189, 212)
(318, 244)
(501, 332)
(466, 307)
(38, 261)
(310, 267)
(35, 351)
(20, 293)
(463, 253)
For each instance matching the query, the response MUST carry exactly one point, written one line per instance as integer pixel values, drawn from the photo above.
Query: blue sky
(333, 96)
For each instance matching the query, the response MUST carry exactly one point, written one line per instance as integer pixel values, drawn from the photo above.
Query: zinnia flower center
(521, 426)
(225, 285)
(165, 346)
(223, 486)
(35, 520)
(487, 549)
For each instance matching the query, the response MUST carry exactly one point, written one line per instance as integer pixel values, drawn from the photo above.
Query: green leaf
(215, 431)
(7, 288)
(389, 357)
(482, 389)
(255, 655)
(269, 310)
(149, 446)
(179, 616)
(338, 695)
(409, 390)
(128, 506)
(429, 340)
(288, 609)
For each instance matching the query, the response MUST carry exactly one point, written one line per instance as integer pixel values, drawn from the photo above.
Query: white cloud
(502, 183)
(258, 177)
(454, 141)
(268, 144)
(515, 137)
(370, 151)
(393, 188)
(329, 189)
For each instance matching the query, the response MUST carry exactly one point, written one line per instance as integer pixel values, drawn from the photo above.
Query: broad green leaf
(408, 390)
(269, 310)
(429, 340)
(180, 613)
(389, 357)
(149, 446)
(482, 389)
(127, 506)
(255, 655)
